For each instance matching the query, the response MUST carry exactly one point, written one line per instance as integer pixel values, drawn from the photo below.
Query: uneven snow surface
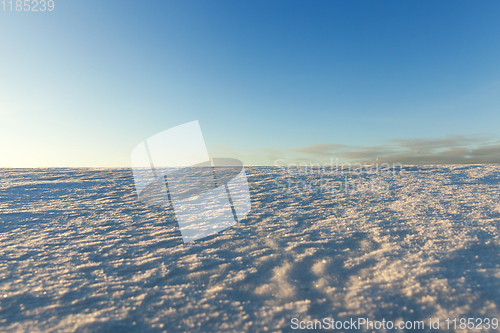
(79, 253)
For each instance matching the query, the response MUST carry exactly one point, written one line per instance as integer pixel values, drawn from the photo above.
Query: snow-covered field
(79, 253)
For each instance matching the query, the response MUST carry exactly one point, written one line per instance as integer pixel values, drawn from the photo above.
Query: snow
(80, 253)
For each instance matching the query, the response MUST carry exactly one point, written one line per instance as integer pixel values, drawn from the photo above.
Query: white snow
(79, 253)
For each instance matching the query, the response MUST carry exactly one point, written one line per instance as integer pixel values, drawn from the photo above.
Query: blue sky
(403, 81)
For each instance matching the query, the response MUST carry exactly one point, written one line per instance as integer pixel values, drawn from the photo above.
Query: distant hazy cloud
(452, 150)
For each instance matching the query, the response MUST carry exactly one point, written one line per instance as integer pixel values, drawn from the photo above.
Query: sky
(412, 82)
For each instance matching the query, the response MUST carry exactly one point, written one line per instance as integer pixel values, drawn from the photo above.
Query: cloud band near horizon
(450, 150)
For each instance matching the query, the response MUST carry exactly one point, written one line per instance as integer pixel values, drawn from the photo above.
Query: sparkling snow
(79, 253)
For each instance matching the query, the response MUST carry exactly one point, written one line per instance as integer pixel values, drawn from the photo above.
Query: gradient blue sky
(300, 80)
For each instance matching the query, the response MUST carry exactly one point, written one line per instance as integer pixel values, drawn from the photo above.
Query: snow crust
(80, 253)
